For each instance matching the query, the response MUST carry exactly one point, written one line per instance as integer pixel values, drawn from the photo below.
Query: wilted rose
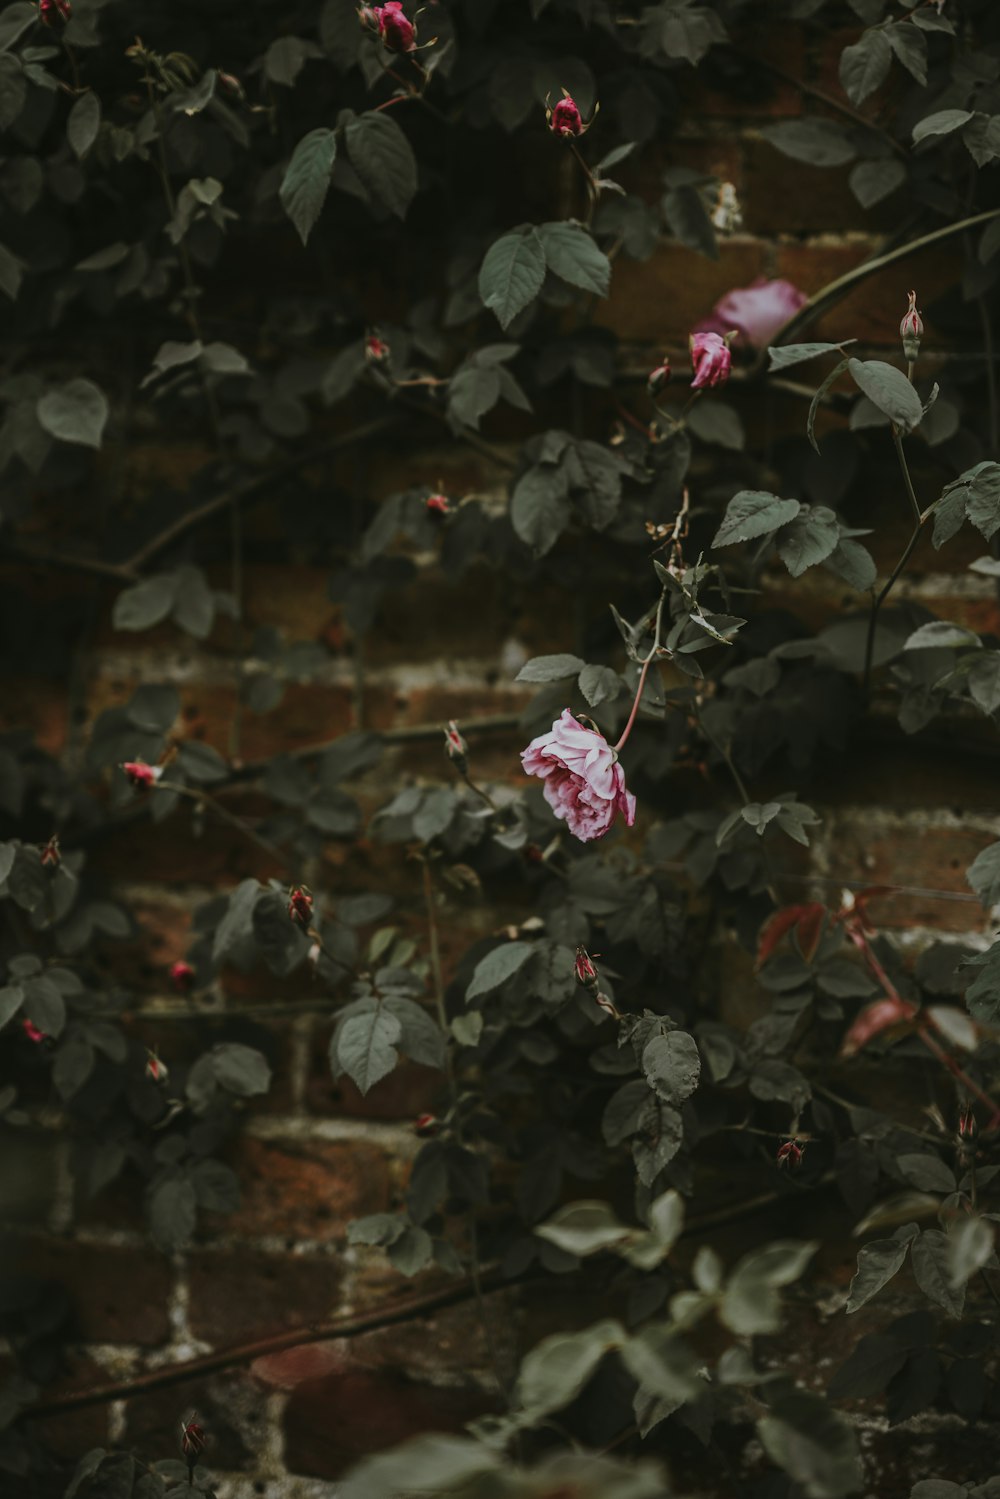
(584, 783)
(756, 312)
(711, 359)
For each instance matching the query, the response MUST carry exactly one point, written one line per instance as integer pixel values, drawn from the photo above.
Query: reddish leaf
(873, 1020)
(776, 927)
(810, 929)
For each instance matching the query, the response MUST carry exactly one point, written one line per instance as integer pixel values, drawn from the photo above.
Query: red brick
(657, 301)
(753, 91)
(307, 1189)
(238, 1295)
(69, 1433)
(934, 858)
(119, 1294)
(408, 1091)
(872, 309)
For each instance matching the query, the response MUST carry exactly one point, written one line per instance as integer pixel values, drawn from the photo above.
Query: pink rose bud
(397, 33)
(583, 781)
(968, 1127)
(586, 973)
(300, 905)
(438, 504)
(376, 349)
(368, 18)
(790, 1155)
(565, 119)
(911, 329)
(711, 359)
(51, 855)
(156, 1070)
(231, 84)
(51, 12)
(141, 775)
(658, 378)
(32, 1032)
(182, 976)
(193, 1438)
(456, 748)
(426, 1124)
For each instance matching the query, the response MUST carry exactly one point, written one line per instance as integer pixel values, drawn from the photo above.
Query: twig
(880, 598)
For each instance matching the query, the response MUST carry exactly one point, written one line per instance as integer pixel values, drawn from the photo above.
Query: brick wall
(314, 1155)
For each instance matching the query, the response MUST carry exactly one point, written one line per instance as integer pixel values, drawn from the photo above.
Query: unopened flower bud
(377, 351)
(368, 18)
(911, 329)
(438, 504)
(396, 32)
(300, 906)
(564, 118)
(51, 855)
(231, 84)
(968, 1127)
(141, 775)
(156, 1071)
(456, 748)
(182, 976)
(658, 378)
(32, 1032)
(711, 359)
(426, 1124)
(314, 954)
(586, 973)
(533, 853)
(790, 1155)
(52, 12)
(193, 1439)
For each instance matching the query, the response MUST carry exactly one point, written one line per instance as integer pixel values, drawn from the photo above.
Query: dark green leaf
(572, 255)
(814, 1445)
(366, 1046)
(539, 508)
(871, 181)
(381, 156)
(497, 967)
(821, 143)
(865, 65)
(672, 1065)
(931, 1259)
(83, 123)
(74, 412)
(785, 355)
(512, 274)
(172, 1213)
(878, 1262)
(983, 874)
(809, 539)
(753, 513)
(307, 177)
(942, 122)
(888, 389)
(241, 1069)
(145, 604)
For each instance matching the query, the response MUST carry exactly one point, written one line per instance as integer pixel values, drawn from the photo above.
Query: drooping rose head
(710, 358)
(757, 312)
(397, 33)
(584, 783)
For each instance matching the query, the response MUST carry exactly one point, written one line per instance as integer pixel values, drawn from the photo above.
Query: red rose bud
(968, 1127)
(438, 504)
(51, 12)
(911, 329)
(790, 1155)
(32, 1032)
(51, 856)
(397, 33)
(456, 748)
(565, 119)
(426, 1124)
(586, 973)
(300, 906)
(156, 1070)
(711, 359)
(658, 378)
(141, 775)
(376, 349)
(193, 1439)
(182, 977)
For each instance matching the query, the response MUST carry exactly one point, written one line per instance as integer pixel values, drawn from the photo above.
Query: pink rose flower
(584, 783)
(396, 31)
(757, 312)
(711, 359)
(565, 119)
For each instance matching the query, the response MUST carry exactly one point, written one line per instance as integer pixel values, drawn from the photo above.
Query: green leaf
(982, 505)
(809, 539)
(425, 1465)
(539, 508)
(497, 967)
(753, 513)
(173, 1210)
(307, 178)
(583, 1228)
(941, 634)
(240, 1069)
(814, 405)
(815, 1445)
(927, 1172)
(854, 563)
(970, 1244)
(871, 181)
(571, 254)
(983, 874)
(672, 1065)
(216, 1186)
(750, 1303)
(83, 123)
(557, 1368)
(383, 160)
(983, 682)
(718, 422)
(785, 355)
(10, 273)
(550, 668)
(932, 1266)
(878, 1262)
(865, 65)
(512, 274)
(145, 604)
(821, 143)
(11, 998)
(942, 122)
(888, 389)
(687, 219)
(366, 1046)
(910, 47)
(74, 412)
(599, 684)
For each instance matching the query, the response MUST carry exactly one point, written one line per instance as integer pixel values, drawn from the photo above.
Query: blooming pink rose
(711, 359)
(584, 783)
(757, 312)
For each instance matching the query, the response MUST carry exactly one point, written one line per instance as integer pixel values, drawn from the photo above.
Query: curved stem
(643, 673)
(880, 598)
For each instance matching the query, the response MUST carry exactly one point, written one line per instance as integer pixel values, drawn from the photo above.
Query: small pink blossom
(438, 504)
(397, 33)
(300, 906)
(757, 312)
(32, 1032)
(584, 783)
(377, 351)
(182, 976)
(51, 12)
(565, 118)
(141, 775)
(711, 359)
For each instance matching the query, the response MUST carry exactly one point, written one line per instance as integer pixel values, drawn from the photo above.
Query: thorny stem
(880, 598)
(592, 189)
(643, 673)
